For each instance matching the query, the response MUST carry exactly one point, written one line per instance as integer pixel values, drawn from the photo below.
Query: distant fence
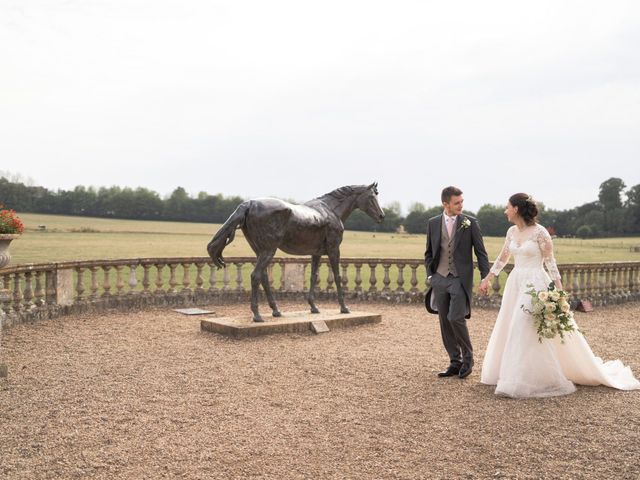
(36, 291)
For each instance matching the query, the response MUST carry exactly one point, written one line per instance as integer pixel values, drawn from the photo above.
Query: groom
(450, 238)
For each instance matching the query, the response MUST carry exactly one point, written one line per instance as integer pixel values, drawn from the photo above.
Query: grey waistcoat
(446, 265)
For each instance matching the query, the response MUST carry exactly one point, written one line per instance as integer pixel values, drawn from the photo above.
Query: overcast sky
(296, 98)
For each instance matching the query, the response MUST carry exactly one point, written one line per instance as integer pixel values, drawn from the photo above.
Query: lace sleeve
(504, 256)
(546, 247)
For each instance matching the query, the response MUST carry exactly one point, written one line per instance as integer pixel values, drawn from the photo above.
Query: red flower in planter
(10, 222)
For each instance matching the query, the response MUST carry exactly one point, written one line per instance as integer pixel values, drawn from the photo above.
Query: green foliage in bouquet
(551, 312)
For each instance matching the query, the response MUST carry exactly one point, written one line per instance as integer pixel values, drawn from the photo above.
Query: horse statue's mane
(344, 192)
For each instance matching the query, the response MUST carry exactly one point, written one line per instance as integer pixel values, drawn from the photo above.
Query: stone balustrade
(34, 291)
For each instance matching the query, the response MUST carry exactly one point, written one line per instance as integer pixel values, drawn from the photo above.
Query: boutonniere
(466, 223)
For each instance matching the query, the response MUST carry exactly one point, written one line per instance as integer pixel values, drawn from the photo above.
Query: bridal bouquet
(551, 312)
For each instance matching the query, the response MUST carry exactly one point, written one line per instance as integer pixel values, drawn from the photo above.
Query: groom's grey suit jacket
(464, 240)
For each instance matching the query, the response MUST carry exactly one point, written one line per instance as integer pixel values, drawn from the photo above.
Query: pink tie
(450, 226)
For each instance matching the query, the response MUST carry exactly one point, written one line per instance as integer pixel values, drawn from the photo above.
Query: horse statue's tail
(226, 234)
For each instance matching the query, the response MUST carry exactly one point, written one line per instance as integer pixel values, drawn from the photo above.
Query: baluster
(400, 288)
(583, 283)
(80, 283)
(611, 287)
(345, 277)
(146, 279)
(226, 279)
(94, 282)
(330, 279)
(17, 293)
(239, 285)
(133, 279)
(159, 278)
(199, 279)
(495, 285)
(632, 282)
(39, 293)
(607, 286)
(615, 282)
(566, 280)
(28, 292)
(621, 282)
(602, 286)
(212, 278)
(575, 286)
(626, 271)
(106, 285)
(372, 278)
(563, 277)
(6, 294)
(589, 284)
(186, 280)
(359, 278)
(387, 280)
(172, 278)
(49, 287)
(414, 279)
(270, 275)
(119, 280)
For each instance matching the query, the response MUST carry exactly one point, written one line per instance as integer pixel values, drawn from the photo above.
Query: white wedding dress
(515, 361)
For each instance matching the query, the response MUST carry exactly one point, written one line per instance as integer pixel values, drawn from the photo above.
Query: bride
(515, 361)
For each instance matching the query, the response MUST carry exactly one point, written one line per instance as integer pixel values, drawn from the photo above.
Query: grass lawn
(84, 238)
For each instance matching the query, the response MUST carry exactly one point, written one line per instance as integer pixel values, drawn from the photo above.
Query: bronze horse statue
(314, 228)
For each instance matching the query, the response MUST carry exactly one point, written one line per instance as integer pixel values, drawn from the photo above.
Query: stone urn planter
(5, 241)
(5, 258)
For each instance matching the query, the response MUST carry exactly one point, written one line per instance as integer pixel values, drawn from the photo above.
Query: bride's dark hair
(527, 207)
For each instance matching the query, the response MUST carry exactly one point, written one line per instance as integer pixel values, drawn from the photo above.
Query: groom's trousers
(451, 302)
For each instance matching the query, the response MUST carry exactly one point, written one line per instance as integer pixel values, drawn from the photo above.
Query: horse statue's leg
(267, 288)
(334, 260)
(315, 263)
(256, 278)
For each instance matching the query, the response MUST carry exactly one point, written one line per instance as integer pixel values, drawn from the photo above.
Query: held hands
(484, 285)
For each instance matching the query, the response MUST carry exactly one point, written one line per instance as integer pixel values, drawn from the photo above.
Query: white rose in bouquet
(543, 296)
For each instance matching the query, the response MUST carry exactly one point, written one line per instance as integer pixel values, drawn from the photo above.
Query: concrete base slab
(244, 326)
(193, 311)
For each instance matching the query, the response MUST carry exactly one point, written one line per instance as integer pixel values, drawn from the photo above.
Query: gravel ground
(147, 395)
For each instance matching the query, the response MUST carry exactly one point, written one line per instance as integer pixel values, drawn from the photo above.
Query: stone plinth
(293, 277)
(243, 326)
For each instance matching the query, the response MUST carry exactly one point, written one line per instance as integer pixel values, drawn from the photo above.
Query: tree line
(616, 212)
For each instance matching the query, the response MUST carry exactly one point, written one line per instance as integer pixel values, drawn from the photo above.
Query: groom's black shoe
(450, 372)
(465, 371)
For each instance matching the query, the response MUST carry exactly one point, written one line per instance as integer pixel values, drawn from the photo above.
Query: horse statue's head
(367, 201)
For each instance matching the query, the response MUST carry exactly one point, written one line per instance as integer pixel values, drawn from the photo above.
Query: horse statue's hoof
(258, 319)
(315, 310)
(276, 313)
(345, 310)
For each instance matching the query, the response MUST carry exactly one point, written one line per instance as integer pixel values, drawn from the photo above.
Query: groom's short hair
(449, 192)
